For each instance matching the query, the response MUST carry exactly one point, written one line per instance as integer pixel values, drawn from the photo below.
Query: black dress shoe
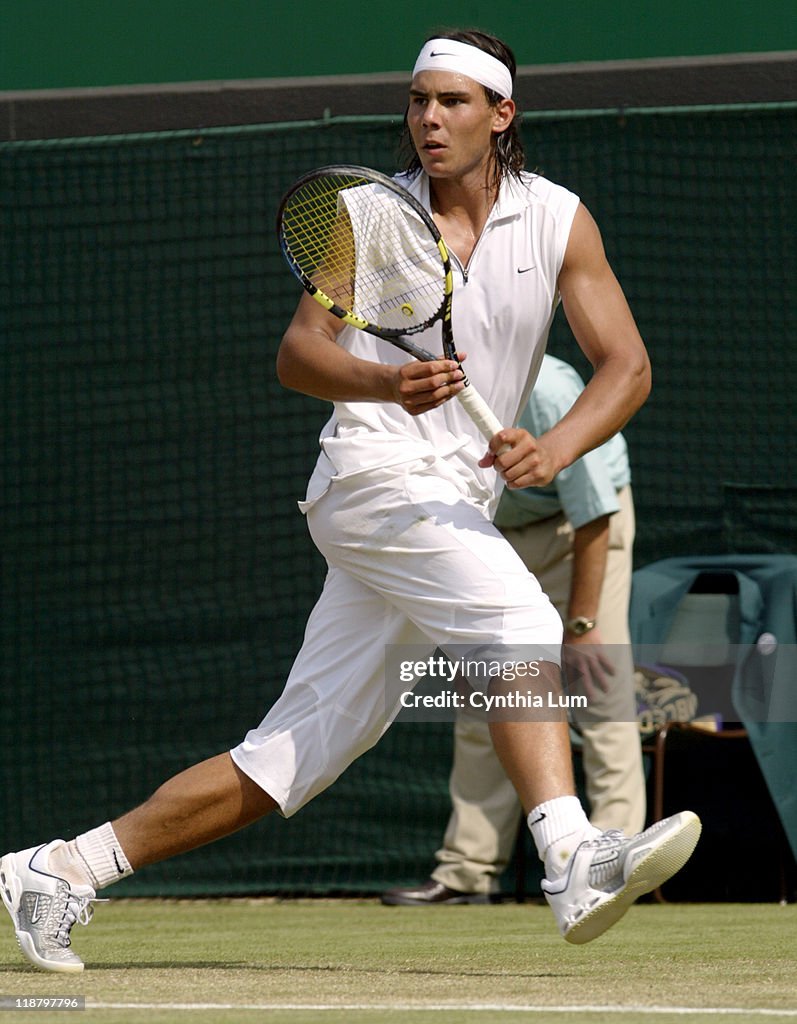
(431, 894)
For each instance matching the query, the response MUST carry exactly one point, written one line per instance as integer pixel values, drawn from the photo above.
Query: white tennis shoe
(606, 874)
(44, 908)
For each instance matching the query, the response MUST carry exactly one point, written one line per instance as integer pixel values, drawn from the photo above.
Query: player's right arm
(309, 360)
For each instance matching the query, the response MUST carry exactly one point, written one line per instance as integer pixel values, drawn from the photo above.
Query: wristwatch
(580, 625)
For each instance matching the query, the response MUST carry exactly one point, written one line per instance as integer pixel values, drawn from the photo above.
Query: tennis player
(400, 504)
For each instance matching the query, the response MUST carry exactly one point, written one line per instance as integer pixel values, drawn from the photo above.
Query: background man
(576, 536)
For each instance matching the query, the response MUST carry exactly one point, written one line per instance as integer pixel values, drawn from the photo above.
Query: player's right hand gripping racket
(368, 251)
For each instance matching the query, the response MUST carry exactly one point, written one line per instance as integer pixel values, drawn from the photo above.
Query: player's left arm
(604, 327)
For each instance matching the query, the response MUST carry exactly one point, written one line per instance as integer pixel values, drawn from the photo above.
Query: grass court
(354, 961)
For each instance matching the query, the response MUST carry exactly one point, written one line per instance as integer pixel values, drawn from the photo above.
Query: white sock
(558, 827)
(67, 863)
(94, 858)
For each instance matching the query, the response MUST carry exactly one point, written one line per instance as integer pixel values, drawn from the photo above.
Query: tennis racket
(367, 250)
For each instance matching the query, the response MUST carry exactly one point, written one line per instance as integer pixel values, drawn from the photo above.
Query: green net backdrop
(156, 574)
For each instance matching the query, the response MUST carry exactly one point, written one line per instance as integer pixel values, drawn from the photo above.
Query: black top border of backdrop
(681, 81)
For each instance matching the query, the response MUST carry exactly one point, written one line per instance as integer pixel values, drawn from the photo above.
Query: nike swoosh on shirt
(525, 270)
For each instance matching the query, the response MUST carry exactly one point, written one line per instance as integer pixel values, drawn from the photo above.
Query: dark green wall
(153, 558)
(75, 43)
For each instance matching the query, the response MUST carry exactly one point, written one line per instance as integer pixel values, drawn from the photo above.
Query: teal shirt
(584, 491)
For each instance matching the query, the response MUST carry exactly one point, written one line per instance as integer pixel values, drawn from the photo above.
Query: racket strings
(367, 250)
(320, 242)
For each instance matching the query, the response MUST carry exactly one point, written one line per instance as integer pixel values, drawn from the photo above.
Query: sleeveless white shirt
(503, 306)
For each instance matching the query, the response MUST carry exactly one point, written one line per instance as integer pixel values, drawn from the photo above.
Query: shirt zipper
(464, 269)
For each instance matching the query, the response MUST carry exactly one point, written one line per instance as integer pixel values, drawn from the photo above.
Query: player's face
(452, 125)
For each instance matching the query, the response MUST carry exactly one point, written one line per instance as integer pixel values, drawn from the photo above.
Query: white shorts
(412, 560)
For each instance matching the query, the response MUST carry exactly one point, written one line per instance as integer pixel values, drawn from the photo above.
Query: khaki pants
(481, 831)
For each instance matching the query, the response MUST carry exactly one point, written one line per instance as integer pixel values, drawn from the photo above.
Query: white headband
(451, 55)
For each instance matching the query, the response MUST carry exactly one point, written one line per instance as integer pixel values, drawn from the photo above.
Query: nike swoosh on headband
(465, 59)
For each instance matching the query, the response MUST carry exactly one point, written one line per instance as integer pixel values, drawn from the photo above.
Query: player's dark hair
(509, 155)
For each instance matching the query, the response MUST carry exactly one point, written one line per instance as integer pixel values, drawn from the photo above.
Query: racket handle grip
(479, 411)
